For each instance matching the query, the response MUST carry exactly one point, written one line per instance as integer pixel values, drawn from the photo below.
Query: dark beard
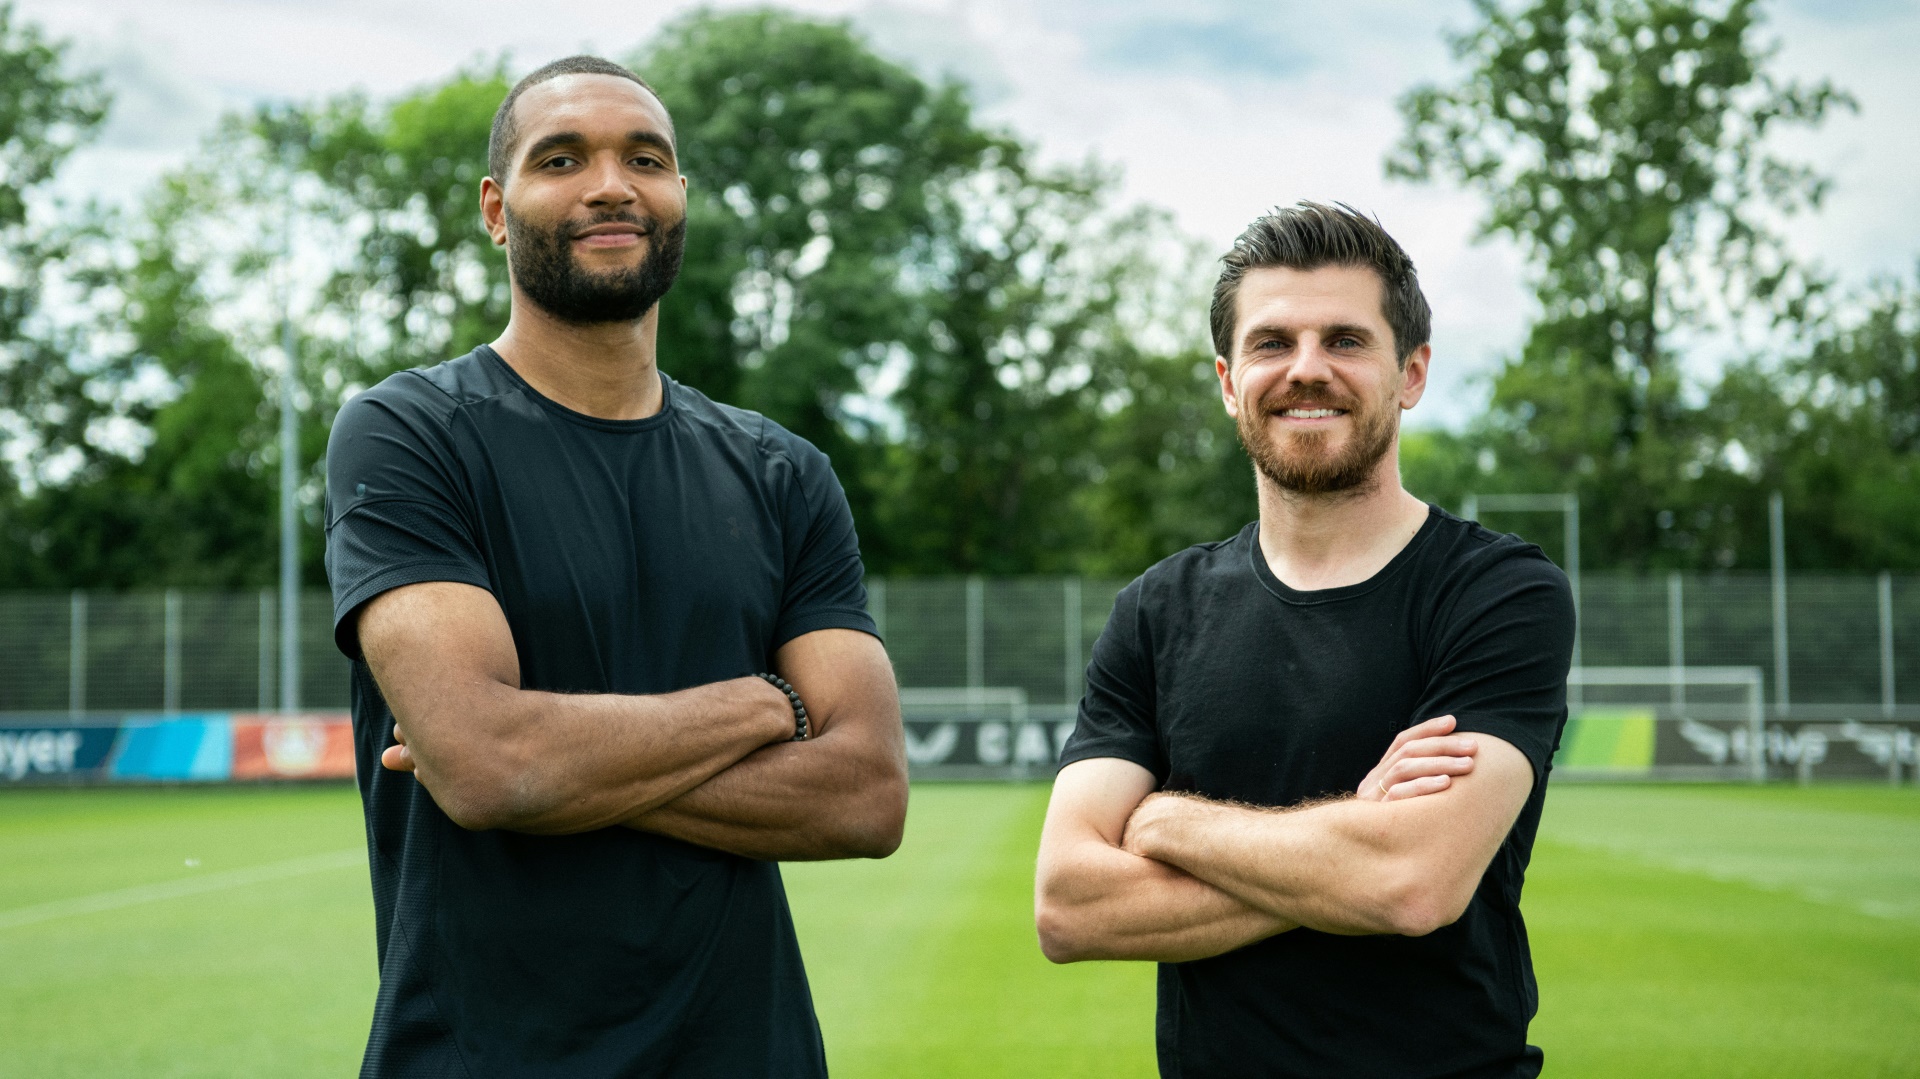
(1310, 469)
(545, 269)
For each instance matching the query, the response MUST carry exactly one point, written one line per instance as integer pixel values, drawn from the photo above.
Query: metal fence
(1848, 642)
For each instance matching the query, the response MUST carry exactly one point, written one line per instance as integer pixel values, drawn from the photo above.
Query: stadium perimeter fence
(1683, 676)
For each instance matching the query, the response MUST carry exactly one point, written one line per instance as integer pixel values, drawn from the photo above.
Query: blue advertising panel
(31, 752)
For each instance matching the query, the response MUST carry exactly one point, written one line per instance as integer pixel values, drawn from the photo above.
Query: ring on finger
(1381, 783)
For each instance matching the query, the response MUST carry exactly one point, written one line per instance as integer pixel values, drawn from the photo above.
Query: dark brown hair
(1309, 235)
(505, 137)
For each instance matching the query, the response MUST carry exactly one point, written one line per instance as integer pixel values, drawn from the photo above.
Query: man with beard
(611, 652)
(1311, 759)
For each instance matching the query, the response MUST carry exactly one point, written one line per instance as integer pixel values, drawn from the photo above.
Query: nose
(1311, 365)
(607, 183)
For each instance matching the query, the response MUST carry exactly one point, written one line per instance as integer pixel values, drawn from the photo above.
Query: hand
(397, 758)
(1422, 760)
(1150, 810)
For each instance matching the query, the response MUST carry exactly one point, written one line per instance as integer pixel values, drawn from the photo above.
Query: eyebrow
(1335, 329)
(574, 138)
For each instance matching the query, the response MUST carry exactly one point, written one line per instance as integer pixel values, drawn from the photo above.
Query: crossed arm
(712, 765)
(1128, 874)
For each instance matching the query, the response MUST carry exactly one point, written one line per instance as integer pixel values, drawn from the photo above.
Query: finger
(1414, 788)
(397, 759)
(1428, 728)
(1417, 767)
(1436, 747)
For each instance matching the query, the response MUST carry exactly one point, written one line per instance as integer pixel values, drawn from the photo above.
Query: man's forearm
(1351, 866)
(835, 796)
(551, 763)
(1100, 902)
(1329, 867)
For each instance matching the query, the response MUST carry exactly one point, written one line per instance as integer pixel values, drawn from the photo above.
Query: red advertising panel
(312, 745)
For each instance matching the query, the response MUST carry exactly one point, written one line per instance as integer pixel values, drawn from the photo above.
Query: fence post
(170, 652)
(1677, 639)
(266, 649)
(976, 631)
(1070, 637)
(877, 605)
(1777, 543)
(76, 654)
(1886, 645)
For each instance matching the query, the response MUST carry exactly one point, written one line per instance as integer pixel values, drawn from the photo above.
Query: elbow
(1415, 907)
(1060, 924)
(483, 787)
(1060, 941)
(878, 822)
(480, 800)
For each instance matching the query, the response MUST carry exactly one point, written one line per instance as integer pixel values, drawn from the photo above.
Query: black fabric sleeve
(826, 582)
(1504, 650)
(396, 514)
(1117, 713)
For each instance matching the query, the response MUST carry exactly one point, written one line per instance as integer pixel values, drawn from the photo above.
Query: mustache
(644, 222)
(1307, 397)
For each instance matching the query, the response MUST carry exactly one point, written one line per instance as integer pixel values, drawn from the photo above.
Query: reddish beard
(1306, 462)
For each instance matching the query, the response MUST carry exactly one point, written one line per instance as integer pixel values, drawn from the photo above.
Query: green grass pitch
(1677, 932)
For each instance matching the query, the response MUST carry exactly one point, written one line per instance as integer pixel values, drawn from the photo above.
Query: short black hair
(505, 137)
(1309, 235)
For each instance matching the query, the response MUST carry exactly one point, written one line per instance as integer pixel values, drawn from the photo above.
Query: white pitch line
(175, 889)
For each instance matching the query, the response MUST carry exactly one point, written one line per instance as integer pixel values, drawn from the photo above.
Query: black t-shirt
(1221, 680)
(636, 557)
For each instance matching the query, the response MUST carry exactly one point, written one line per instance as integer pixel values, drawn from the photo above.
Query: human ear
(1224, 372)
(493, 211)
(1413, 377)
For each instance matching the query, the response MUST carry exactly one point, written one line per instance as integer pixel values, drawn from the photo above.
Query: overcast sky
(1215, 109)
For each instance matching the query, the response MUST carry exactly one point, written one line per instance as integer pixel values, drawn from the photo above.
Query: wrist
(797, 725)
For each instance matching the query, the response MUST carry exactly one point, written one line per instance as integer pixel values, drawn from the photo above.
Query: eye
(645, 161)
(1346, 341)
(559, 161)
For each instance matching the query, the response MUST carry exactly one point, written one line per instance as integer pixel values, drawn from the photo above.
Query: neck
(1312, 542)
(606, 370)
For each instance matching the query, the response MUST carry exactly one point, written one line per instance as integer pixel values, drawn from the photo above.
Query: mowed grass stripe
(1857, 849)
(1648, 971)
(968, 993)
(925, 964)
(180, 889)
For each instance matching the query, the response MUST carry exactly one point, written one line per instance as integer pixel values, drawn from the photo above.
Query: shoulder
(745, 430)
(1187, 580)
(421, 398)
(1466, 564)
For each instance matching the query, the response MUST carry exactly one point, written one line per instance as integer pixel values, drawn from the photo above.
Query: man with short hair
(610, 645)
(1311, 759)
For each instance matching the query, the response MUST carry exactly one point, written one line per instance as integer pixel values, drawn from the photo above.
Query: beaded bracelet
(793, 698)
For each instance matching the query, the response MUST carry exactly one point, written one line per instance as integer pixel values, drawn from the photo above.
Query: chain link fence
(1686, 677)
(1851, 641)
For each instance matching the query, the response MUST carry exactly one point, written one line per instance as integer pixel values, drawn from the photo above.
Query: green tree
(46, 112)
(1622, 144)
(190, 504)
(1835, 429)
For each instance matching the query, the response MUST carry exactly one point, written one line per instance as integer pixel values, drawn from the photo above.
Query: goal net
(1664, 723)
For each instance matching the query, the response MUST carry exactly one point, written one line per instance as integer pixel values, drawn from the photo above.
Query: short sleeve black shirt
(635, 557)
(1223, 681)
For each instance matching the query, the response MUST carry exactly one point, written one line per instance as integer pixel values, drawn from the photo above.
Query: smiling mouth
(1311, 413)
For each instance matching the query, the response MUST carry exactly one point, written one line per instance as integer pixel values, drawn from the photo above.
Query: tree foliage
(966, 333)
(1623, 146)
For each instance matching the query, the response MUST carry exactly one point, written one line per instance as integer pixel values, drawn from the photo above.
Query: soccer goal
(1665, 723)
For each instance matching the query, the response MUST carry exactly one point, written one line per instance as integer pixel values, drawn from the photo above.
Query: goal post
(1665, 723)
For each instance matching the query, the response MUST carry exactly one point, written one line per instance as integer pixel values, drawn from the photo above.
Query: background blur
(1673, 248)
(964, 248)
